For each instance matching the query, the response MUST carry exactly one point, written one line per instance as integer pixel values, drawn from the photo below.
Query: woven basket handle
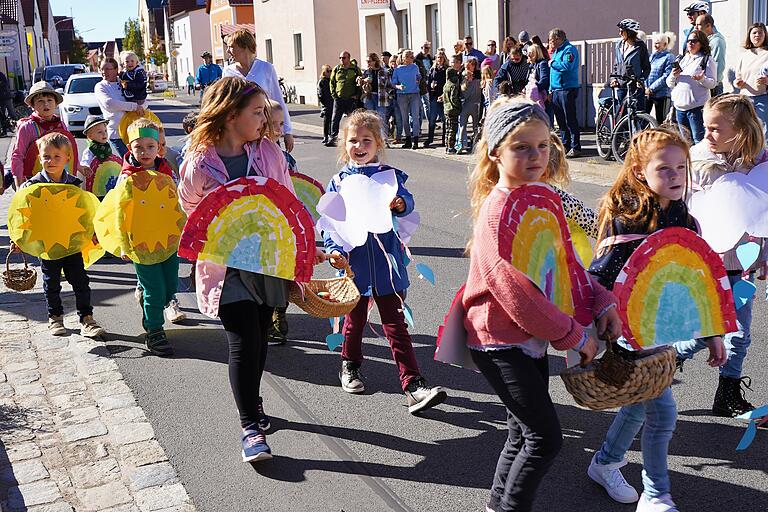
(8, 261)
(348, 271)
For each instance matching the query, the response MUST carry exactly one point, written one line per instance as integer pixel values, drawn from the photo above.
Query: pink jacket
(28, 131)
(202, 172)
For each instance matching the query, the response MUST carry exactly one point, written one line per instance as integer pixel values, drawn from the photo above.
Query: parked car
(58, 74)
(156, 82)
(79, 100)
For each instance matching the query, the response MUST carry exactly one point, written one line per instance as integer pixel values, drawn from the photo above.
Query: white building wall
(191, 30)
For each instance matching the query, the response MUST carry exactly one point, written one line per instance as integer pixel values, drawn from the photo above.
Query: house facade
(231, 12)
(298, 46)
(189, 30)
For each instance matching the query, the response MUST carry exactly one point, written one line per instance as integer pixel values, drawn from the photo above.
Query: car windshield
(63, 71)
(82, 85)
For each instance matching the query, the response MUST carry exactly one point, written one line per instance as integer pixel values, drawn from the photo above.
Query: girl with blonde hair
(733, 142)
(509, 322)
(230, 142)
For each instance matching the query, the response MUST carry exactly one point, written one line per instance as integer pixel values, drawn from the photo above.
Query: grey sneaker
(173, 313)
(351, 380)
(56, 326)
(420, 396)
(90, 329)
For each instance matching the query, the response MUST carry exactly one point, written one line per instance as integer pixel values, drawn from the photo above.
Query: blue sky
(105, 17)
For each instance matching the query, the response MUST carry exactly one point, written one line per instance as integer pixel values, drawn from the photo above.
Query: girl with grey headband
(509, 322)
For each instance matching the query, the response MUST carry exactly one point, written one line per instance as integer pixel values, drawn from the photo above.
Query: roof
(232, 3)
(228, 29)
(28, 8)
(177, 6)
(154, 4)
(44, 9)
(63, 23)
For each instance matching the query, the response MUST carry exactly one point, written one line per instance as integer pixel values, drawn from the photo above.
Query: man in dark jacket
(7, 110)
(452, 102)
(344, 90)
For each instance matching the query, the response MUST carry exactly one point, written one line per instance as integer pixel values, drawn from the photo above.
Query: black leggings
(522, 384)
(246, 324)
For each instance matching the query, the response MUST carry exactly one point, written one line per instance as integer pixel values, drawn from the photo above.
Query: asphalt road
(335, 451)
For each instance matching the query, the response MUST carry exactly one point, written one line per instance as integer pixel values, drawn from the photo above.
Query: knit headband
(138, 133)
(504, 118)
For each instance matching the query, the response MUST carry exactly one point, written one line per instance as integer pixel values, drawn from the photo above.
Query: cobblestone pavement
(72, 436)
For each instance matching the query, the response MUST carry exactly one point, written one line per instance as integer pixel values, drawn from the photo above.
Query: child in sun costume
(525, 291)
(141, 220)
(105, 166)
(647, 197)
(51, 217)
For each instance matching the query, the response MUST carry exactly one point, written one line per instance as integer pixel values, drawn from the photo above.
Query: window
(759, 12)
(404, 26)
(268, 46)
(467, 18)
(433, 25)
(298, 52)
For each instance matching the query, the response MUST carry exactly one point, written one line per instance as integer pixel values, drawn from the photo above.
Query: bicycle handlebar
(627, 78)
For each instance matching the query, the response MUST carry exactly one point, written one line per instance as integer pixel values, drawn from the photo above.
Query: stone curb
(72, 436)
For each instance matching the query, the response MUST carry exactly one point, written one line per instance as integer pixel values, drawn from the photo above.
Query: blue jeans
(467, 110)
(736, 343)
(373, 104)
(564, 107)
(659, 416)
(410, 104)
(761, 107)
(120, 148)
(692, 119)
(393, 110)
(436, 112)
(425, 107)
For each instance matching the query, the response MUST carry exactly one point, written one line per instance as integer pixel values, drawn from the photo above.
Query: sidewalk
(72, 436)
(587, 169)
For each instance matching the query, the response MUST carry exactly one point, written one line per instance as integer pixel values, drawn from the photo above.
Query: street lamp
(68, 18)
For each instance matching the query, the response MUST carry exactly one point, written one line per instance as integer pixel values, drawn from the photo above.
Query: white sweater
(113, 105)
(688, 93)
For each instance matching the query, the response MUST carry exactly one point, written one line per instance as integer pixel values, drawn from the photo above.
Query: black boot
(407, 144)
(729, 398)
(415, 143)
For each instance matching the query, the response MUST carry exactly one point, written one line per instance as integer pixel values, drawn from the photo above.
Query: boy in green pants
(158, 281)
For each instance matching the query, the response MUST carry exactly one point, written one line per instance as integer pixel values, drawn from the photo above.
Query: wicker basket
(19, 279)
(342, 289)
(620, 382)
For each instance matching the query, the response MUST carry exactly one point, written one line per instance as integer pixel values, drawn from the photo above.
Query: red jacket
(130, 166)
(503, 307)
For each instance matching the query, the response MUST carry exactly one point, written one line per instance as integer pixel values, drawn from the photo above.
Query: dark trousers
(395, 329)
(718, 90)
(74, 271)
(564, 106)
(534, 429)
(327, 122)
(341, 106)
(451, 129)
(661, 106)
(245, 325)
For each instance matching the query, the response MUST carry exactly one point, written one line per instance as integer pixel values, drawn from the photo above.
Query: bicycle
(617, 122)
(283, 89)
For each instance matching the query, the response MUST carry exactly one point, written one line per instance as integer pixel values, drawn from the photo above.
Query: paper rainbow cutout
(674, 287)
(309, 191)
(104, 177)
(32, 163)
(254, 224)
(534, 236)
(141, 218)
(130, 117)
(52, 221)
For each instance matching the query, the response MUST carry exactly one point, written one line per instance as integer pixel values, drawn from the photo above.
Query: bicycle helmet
(697, 7)
(629, 24)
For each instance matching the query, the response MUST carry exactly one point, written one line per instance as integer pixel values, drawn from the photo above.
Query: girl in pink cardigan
(230, 142)
(509, 322)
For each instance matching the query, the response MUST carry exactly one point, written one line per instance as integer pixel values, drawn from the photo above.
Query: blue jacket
(564, 67)
(634, 63)
(207, 74)
(369, 263)
(661, 67)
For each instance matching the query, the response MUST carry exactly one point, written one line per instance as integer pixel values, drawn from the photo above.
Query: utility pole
(663, 15)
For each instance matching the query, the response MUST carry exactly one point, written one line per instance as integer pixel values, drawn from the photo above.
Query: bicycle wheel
(622, 135)
(603, 133)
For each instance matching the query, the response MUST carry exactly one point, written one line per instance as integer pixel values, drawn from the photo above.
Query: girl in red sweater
(509, 322)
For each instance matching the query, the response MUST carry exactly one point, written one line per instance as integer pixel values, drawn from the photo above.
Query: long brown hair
(631, 199)
(748, 42)
(226, 96)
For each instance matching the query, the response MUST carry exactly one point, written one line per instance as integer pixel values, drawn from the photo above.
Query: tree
(132, 40)
(157, 53)
(79, 51)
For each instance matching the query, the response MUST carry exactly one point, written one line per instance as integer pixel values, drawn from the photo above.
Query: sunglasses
(692, 41)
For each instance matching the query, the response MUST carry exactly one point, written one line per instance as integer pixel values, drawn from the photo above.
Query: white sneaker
(173, 313)
(662, 503)
(610, 477)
